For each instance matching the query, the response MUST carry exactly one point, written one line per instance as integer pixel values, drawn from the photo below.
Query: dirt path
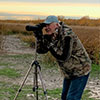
(12, 45)
(94, 87)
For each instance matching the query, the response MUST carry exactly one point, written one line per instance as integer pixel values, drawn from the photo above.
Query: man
(70, 54)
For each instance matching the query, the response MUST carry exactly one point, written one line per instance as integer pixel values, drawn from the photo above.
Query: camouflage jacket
(68, 50)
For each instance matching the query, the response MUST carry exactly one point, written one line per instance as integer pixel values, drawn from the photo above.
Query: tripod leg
(35, 88)
(43, 86)
(36, 82)
(19, 90)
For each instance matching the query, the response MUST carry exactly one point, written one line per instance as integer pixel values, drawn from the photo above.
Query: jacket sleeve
(43, 44)
(66, 49)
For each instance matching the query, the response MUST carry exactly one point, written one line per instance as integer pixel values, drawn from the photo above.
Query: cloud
(20, 16)
(56, 1)
(45, 9)
(13, 14)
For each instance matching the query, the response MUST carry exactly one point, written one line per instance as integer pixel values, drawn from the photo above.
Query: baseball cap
(51, 19)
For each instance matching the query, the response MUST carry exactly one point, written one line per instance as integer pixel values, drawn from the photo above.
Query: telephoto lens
(36, 27)
(31, 28)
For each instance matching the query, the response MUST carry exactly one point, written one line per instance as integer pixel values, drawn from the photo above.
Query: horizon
(38, 17)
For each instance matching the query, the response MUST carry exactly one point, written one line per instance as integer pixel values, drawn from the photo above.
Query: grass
(9, 72)
(15, 60)
(90, 33)
(55, 93)
(86, 95)
(6, 64)
(29, 39)
(95, 72)
(8, 91)
(15, 56)
(45, 62)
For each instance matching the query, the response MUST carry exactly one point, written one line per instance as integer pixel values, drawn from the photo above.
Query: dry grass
(30, 39)
(0, 42)
(89, 35)
(84, 21)
(10, 28)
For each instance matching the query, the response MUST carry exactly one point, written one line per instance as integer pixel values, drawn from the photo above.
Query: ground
(11, 50)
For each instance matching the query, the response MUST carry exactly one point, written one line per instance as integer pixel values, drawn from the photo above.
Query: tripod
(36, 72)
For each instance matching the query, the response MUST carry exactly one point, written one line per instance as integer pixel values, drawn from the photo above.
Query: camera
(37, 29)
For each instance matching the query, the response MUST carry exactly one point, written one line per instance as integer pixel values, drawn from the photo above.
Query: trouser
(73, 88)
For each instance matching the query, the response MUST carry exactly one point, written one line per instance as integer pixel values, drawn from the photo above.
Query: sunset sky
(34, 9)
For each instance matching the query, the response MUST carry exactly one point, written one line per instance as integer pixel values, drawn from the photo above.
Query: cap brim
(46, 22)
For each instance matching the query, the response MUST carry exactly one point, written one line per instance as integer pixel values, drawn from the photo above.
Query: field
(89, 35)
(17, 53)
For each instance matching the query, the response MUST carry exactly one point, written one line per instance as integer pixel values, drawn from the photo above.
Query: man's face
(51, 28)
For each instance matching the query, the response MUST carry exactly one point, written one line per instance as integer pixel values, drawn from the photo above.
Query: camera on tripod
(37, 29)
(37, 72)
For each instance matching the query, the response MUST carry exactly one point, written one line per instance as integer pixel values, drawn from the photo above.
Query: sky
(35, 9)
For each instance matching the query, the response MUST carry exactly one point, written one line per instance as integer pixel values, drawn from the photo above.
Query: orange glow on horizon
(65, 9)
